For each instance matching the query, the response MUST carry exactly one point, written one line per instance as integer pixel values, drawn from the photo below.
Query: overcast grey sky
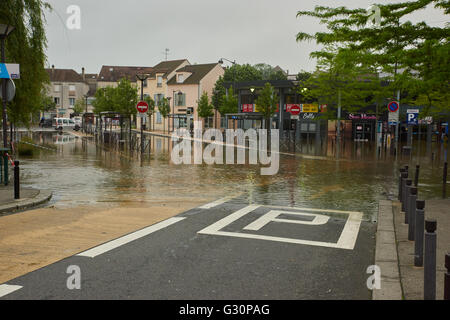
(136, 32)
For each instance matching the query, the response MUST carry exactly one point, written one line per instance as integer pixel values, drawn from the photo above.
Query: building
(109, 76)
(65, 88)
(186, 88)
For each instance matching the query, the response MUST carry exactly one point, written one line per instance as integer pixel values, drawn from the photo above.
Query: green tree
(267, 103)
(125, 98)
(80, 106)
(205, 109)
(229, 103)
(151, 108)
(26, 46)
(47, 104)
(395, 49)
(164, 110)
(104, 100)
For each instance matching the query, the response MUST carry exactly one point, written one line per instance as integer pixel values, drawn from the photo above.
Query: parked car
(46, 123)
(65, 124)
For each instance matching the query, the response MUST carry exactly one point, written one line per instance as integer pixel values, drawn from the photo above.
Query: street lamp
(5, 30)
(234, 70)
(180, 94)
(142, 78)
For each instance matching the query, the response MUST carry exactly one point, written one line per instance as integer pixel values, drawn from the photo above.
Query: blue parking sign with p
(413, 118)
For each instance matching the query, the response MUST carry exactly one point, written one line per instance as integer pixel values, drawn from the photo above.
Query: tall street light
(234, 79)
(142, 78)
(5, 30)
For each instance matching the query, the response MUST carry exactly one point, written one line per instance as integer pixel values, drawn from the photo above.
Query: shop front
(364, 126)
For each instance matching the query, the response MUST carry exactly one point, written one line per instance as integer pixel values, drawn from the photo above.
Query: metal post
(444, 178)
(402, 199)
(447, 278)
(16, 180)
(412, 212)
(5, 169)
(416, 178)
(418, 244)
(400, 184)
(5, 130)
(429, 284)
(408, 184)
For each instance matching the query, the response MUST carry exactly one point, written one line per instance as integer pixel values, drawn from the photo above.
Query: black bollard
(16, 180)
(429, 284)
(412, 212)
(404, 178)
(408, 184)
(416, 178)
(447, 278)
(444, 187)
(400, 184)
(418, 244)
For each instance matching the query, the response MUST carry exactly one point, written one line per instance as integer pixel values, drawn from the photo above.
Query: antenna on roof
(166, 53)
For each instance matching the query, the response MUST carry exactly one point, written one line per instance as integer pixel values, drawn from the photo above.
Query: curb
(386, 255)
(42, 197)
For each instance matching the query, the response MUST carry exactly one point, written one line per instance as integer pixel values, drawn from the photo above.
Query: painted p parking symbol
(347, 238)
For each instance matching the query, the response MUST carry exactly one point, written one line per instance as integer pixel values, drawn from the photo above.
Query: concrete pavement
(224, 250)
(29, 198)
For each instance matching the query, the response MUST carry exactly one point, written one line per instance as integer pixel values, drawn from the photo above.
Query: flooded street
(81, 173)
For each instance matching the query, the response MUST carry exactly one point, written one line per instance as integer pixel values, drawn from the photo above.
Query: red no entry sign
(142, 107)
(295, 110)
(393, 106)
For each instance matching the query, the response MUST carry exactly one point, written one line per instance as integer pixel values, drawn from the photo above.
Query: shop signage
(310, 108)
(247, 108)
(362, 116)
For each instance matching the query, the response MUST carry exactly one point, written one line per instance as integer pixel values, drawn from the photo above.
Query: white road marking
(92, 253)
(6, 289)
(347, 239)
(272, 215)
(217, 202)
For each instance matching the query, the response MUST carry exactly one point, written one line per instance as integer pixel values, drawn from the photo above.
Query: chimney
(53, 69)
(83, 74)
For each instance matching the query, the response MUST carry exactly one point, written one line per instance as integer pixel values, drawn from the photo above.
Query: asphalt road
(224, 251)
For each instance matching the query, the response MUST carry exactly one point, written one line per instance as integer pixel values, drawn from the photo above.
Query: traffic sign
(295, 110)
(10, 90)
(142, 107)
(9, 71)
(413, 116)
(393, 106)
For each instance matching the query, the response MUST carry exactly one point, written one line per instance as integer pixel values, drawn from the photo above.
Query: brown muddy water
(82, 173)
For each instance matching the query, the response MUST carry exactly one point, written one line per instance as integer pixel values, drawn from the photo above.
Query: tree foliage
(121, 99)
(267, 101)
(405, 56)
(204, 109)
(229, 103)
(26, 46)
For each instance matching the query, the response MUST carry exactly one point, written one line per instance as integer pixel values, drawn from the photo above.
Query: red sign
(247, 108)
(295, 110)
(142, 107)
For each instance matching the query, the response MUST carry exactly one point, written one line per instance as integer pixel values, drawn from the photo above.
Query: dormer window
(180, 78)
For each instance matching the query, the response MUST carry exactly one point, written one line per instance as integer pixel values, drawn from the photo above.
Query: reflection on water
(80, 172)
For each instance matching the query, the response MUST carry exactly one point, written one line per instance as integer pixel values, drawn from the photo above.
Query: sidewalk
(411, 276)
(28, 198)
(400, 279)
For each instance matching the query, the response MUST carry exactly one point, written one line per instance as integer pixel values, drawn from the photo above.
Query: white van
(64, 124)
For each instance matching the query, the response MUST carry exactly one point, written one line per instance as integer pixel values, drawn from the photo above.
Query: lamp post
(142, 78)
(234, 70)
(180, 94)
(5, 30)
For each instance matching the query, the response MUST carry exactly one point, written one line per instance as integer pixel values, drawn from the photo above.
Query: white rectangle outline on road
(6, 289)
(92, 253)
(346, 240)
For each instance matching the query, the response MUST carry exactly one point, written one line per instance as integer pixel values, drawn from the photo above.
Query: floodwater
(355, 178)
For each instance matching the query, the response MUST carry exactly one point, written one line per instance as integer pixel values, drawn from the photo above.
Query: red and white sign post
(142, 107)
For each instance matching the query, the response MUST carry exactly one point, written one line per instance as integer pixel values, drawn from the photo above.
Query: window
(65, 121)
(158, 117)
(71, 87)
(180, 78)
(180, 100)
(159, 81)
(56, 100)
(71, 102)
(158, 97)
(57, 87)
(71, 121)
(145, 83)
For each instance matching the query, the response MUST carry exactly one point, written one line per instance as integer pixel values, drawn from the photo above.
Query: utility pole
(339, 115)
